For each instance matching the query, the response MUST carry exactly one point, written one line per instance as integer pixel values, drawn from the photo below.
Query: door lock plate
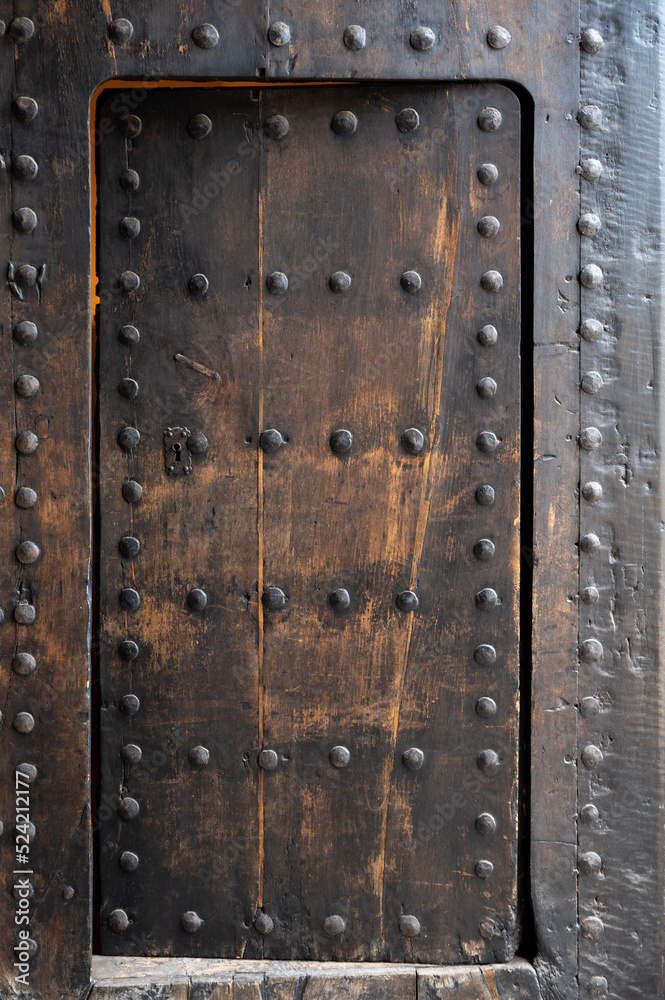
(177, 459)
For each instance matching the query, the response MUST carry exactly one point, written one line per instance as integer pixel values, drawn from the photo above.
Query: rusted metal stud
(25, 497)
(129, 438)
(25, 332)
(121, 31)
(486, 708)
(26, 386)
(118, 921)
(199, 756)
(590, 169)
(341, 441)
(129, 388)
(263, 923)
(28, 772)
(487, 442)
(68, 892)
(268, 760)
(277, 283)
(498, 37)
(21, 29)
(27, 443)
(590, 116)
(589, 707)
(276, 127)
(128, 650)
(197, 599)
(30, 832)
(487, 174)
(484, 869)
(485, 495)
(28, 552)
(23, 891)
(592, 492)
(592, 928)
(197, 443)
(334, 925)
(129, 227)
(24, 664)
(191, 922)
(340, 599)
(274, 599)
(421, 39)
(411, 282)
(129, 547)
(407, 601)
(132, 491)
(591, 330)
(413, 440)
(279, 33)
(198, 284)
(490, 119)
(130, 126)
(130, 599)
(486, 388)
(24, 220)
(131, 753)
(355, 37)
(199, 126)
(592, 756)
(344, 123)
(23, 722)
(27, 275)
(590, 543)
(598, 986)
(129, 180)
(129, 861)
(589, 814)
(592, 382)
(491, 281)
(488, 761)
(129, 282)
(409, 925)
(413, 759)
(25, 109)
(591, 651)
(339, 756)
(129, 704)
(339, 282)
(407, 120)
(488, 226)
(588, 224)
(486, 599)
(489, 928)
(24, 168)
(271, 440)
(592, 41)
(484, 549)
(486, 824)
(128, 808)
(205, 36)
(590, 439)
(25, 613)
(590, 595)
(128, 335)
(488, 336)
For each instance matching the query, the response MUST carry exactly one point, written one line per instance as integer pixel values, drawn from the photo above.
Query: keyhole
(177, 449)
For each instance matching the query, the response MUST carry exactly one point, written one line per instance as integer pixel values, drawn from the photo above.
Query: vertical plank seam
(260, 525)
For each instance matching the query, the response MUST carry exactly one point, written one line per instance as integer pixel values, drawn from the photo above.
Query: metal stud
(198, 284)
(341, 441)
(128, 650)
(592, 928)
(486, 708)
(268, 760)
(334, 925)
(488, 761)
(344, 123)
(488, 226)
(28, 553)
(24, 664)
(590, 595)
(129, 861)
(25, 109)
(592, 41)
(589, 814)
(484, 549)
(277, 283)
(271, 440)
(592, 492)
(130, 599)
(411, 282)
(591, 651)
(25, 497)
(589, 707)
(490, 119)
(590, 169)
(197, 599)
(339, 756)
(131, 126)
(27, 275)
(355, 37)
(199, 126)
(486, 388)
(263, 923)
(422, 39)
(592, 382)
(31, 831)
(340, 600)
(485, 495)
(118, 921)
(409, 925)
(205, 36)
(590, 116)
(129, 180)
(23, 890)
(121, 31)
(592, 756)
(131, 754)
(25, 168)
(487, 174)
(128, 808)
(590, 439)
(486, 824)
(25, 332)
(487, 599)
(21, 29)
(28, 772)
(129, 227)
(487, 442)
(27, 443)
(484, 869)
(488, 928)
(407, 120)
(24, 220)
(598, 986)
(198, 756)
(590, 543)
(591, 330)
(588, 224)
(413, 440)
(498, 37)
(132, 491)
(413, 759)
(279, 34)
(274, 599)
(26, 386)
(339, 282)
(129, 704)
(23, 722)
(129, 438)
(197, 443)
(407, 601)
(128, 387)
(129, 547)
(129, 282)
(276, 127)
(491, 281)
(191, 922)
(128, 335)
(25, 613)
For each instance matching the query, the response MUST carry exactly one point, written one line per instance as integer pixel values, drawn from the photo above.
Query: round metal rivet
(334, 925)
(121, 31)
(485, 495)
(274, 599)
(268, 760)
(21, 29)
(279, 34)
(131, 754)
(591, 651)
(130, 599)
(592, 492)
(26, 386)
(484, 549)
(488, 929)
(422, 39)
(341, 441)
(27, 553)
(277, 283)
(592, 41)
(199, 126)
(488, 226)
(27, 443)
(498, 37)
(590, 439)
(486, 388)
(25, 613)
(339, 756)
(591, 330)
(339, 282)
(198, 757)
(271, 440)
(488, 761)
(407, 601)
(590, 116)
(25, 220)
(128, 808)
(589, 814)
(413, 759)
(484, 869)
(24, 722)
(129, 227)
(589, 707)
(407, 120)
(129, 438)
(486, 708)
(25, 168)
(132, 491)
(411, 282)
(129, 704)
(128, 650)
(129, 180)
(490, 119)
(589, 169)
(68, 892)
(129, 547)
(25, 333)
(485, 655)
(128, 335)
(355, 37)
(486, 599)
(26, 276)
(487, 442)
(31, 832)
(25, 497)
(263, 923)
(590, 595)
(588, 224)
(130, 126)
(486, 824)
(491, 281)
(25, 109)
(598, 986)
(128, 387)
(197, 599)
(592, 928)
(590, 543)
(191, 922)
(129, 861)
(24, 664)
(118, 921)
(344, 123)
(129, 282)
(19, 891)
(205, 36)
(340, 599)
(592, 382)
(409, 925)
(413, 440)
(487, 174)
(28, 772)
(198, 284)
(592, 756)
(276, 127)
(488, 336)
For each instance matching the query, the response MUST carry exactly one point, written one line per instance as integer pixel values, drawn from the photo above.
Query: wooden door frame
(595, 883)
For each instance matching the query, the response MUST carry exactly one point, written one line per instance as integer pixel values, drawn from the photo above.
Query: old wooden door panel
(307, 848)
